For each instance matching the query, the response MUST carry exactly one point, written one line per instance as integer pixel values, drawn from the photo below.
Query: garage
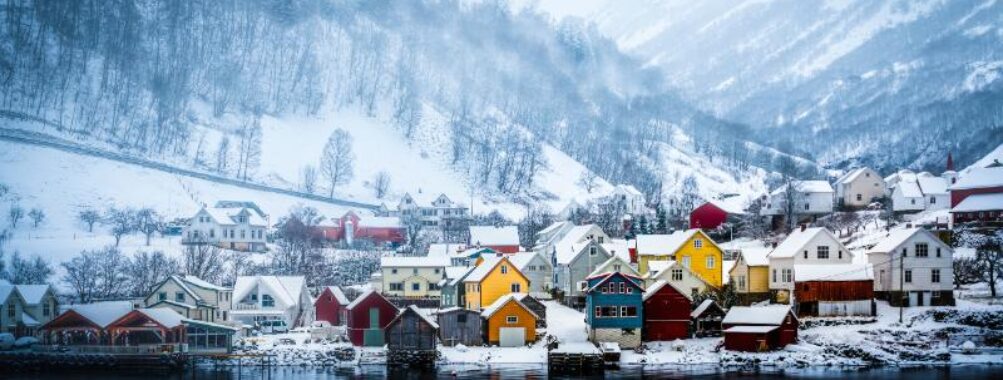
(511, 336)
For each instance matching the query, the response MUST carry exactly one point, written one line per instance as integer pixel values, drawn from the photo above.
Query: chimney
(803, 227)
(908, 225)
(774, 244)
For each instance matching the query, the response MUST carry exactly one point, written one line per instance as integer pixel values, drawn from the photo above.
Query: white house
(677, 274)
(500, 238)
(538, 270)
(431, 210)
(859, 187)
(913, 261)
(811, 198)
(192, 298)
(804, 246)
(413, 277)
(239, 228)
(632, 199)
(907, 197)
(923, 191)
(935, 195)
(260, 298)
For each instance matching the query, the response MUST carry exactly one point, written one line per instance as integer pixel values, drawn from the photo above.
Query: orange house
(509, 323)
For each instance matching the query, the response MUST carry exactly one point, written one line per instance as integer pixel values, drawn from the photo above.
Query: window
(162, 296)
(628, 311)
(623, 288)
(179, 296)
(841, 254)
(394, 271)
(881, 278)
(677, 275)
(512, 319)
(922, 250)
(436, 270)
(933, 200)
(741, 282)
(860, 197)
(904, 254)
(938, 251)
(616, 267)
(807, 206)
(242, 233)
(516, 288)
(774, 275)
(630, 290)
(267, 301)
(606, 311)
(601, 240)
(461, 318)
(592, 251)
(414, 271)
(822, 252)
(935, 275)
(686, 261)
(912, 201)
(710, 262)
(787, 274)
(806, 253)
(908, 276)
(415, 286)
(212, 233)
(11, 311)
(46, 309)
(698, 243)
(504, 269)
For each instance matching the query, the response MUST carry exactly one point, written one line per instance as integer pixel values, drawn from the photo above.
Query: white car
(273, 327)
(6, 341)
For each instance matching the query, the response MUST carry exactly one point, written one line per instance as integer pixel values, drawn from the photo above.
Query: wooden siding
(497, 284)
(810, 291)
(468, 332)
(596, 298)
(698, 258)
(537, 307)
(666, 315)
(410, 332)
(358, 317)
(499, 320)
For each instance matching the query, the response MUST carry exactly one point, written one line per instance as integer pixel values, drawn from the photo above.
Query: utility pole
(901, 283)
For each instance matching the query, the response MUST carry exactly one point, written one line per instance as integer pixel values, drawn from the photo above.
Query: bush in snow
(37, 217)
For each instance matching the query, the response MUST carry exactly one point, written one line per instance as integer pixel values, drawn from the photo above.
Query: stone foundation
(627, 338)
(901, 299)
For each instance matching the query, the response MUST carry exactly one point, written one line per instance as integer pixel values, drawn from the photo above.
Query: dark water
(540, 372)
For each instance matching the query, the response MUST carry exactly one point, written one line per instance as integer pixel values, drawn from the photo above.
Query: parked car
(273, 327)
(6, 341)
(25, 341)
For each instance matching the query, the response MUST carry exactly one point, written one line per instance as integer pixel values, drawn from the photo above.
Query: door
(373, 336)
(511, 336)
(913, 299)
(927, 298)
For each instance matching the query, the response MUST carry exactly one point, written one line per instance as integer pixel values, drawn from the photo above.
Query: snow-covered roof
(659, 266)
(732, 205)
(338, 295)
(28, 320)
(806, 187)
(565, 249)
(455, 272)
(756, 256)
(727, 266)
(176, 303)
(522, 259)
(617, 247)
(286, 289)
(932, 185)
(604, 267)
(627, 189)
(380, 222)
(851, 176)
(654, 288)
(32, 294)
(228, 216)
(489, 263)
(501, 301)
(440, 249)
(751, 329)
(909, 189)
(553, 227)
(980, 202)
(362, 297)
(895, 238)
(6, 289)
(102, 313)
(420, 314)
(833, 272)
(702, 308)
(796, 241)
(491, 235)
(414, 262)
(663, 244)
(202, 283)
(460, 277)
(979, 178)
(757, 315)
(165, 316)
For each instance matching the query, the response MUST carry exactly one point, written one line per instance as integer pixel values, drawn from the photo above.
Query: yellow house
(509, 322)
(750, 275)
(691, 248)
(495, 277)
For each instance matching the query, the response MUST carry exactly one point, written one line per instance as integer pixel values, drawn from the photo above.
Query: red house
(504, 239)
(368, 316)
(712, 214)
(351, 227)
(987, 180)
(759, 328)
(331, 306)
(666, 312)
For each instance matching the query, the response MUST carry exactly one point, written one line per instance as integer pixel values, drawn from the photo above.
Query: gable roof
(6, 289)
(636, 281)
(488, 265)
(444, 249)
(662, 244)
(286, 289)
(522, 259)
(32, 294)
(624, 265)
(193, 280)
(757, 315)
(731, 205)
(909, 189)
(851, 175)
(228, 215)
(980, 202)
(362, 297)
(896, 237)
(564, 249)
(702, 308)
(932, 185)
(491, 235)
(806, 187)
(414, 262)
(501, 301)
(338, 294)
(755, 256)
(102, 314)
(414, 309)
(833, 272)
(798, 239)
(658, 285)
(164, 316)
(979, 178)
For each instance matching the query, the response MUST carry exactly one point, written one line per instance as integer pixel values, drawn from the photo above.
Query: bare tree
(249, 149)
(203, 260)
(381, 184)
(37, 216)
(337, 159)
(223, 155)
(121, 222)
(148, 222)
(146, 270)
(89, 217)
(308, 179)
(96, 275)
(967, 271)
(33, 271)
(588, 180)
(15, 214)
(791, 202)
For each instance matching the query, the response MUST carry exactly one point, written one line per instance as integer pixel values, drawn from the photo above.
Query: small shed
(368, 315)
(508, 322)
(538, 308)
(759, 328)
(411, 338)
(666, 313)
(460, 326)
(707, 318)
(331, 306)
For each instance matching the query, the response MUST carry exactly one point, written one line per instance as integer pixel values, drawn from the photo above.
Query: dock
(575, 358)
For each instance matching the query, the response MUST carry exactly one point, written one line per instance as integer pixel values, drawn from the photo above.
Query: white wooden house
(859, 187)
(238, 228)
(192, 298)
(260, 298)
(810, 197)
(804, 246)
(913, 268)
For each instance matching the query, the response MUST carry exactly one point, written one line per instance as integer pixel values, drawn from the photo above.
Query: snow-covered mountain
(886, 82)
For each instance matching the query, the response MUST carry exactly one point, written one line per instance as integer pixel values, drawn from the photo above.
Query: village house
(351, 227)
(495, 277)
(413, 277)
(470, 256)
(812, 198)
(750, 277)
(240, 228)
(666, 312)
(804, 246)
(706, 318)
(538, 270)
(430, 210)
(560, 237)
(628, 196)
(452, 292)
(691, 248)
(614, 309)
(759, 328)
(368, 316)
(920, 192)
(713, 213)
(679, 276)
(548, 237)
(460, 326)
(537, 307)
(573, 264)
(12, 311)
(859, 187)
(977, 196)
(508, 322)
(40, 306)
(504, 239)
(411, 338)
(191, 297)
(615, 264)
(913, 268)
(271, 298)
(331, 306)
(834, 290)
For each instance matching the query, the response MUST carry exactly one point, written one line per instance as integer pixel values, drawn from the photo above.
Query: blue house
(614, 309)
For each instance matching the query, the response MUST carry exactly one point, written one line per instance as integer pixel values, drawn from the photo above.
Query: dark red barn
(331, 306)
(666, 313)
(351, 227)
(368, 316)
(759, 328)
(712, 214)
